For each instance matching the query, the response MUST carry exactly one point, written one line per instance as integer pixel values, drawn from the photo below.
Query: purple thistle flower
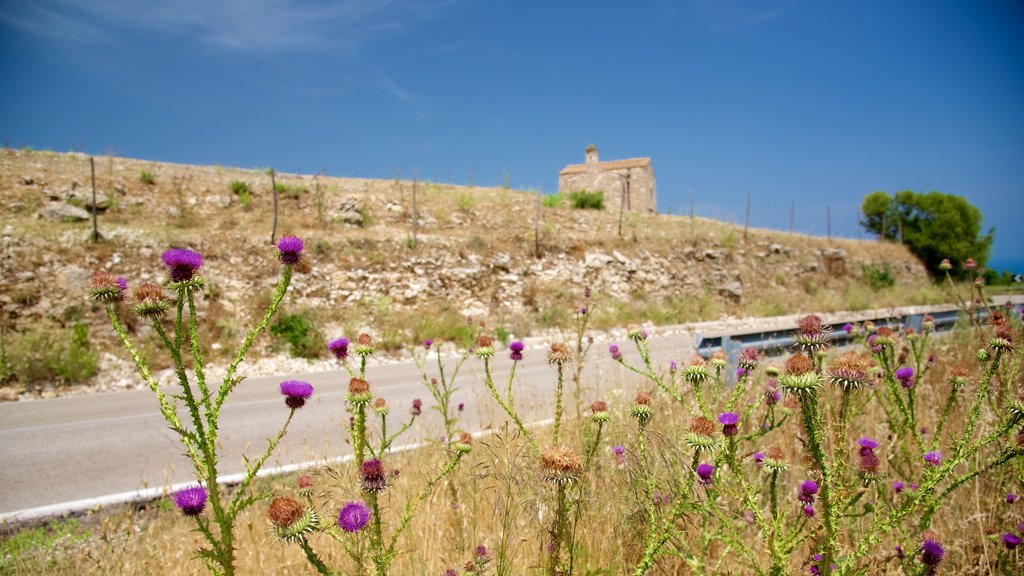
(741, 372)
(873, 344)
(899, 552)
(705, 472)
(898, 486)
(428, 343)
(353, 516)
(182, 264)
(809, 510)
(373, 477)
(933, 458)
(619, 450)
(339, 348)
(1011, 540)
(847, 327)
(867, 446)
(772, 397)
(289, 249)
(516, 348)
(913, 486)
(729, 421)
(462, 406)
(906, 376)
(673, 366)
(191, 500)
(931, 554)
(586, 292)
(417, 407)
(613, 349)
(759, 458)
(296, 392)
(1011, 497)
(808, 488)
(481, 551)
(122, 283)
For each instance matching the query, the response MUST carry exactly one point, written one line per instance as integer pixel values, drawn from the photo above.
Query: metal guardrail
(777, 342)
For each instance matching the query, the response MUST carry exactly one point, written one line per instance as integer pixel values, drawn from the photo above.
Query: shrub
(878, 277)
(301, 332)
(293, 192)
(147, 177)
(553, 200)
(587, 200)
(46, 352)
(242, 190)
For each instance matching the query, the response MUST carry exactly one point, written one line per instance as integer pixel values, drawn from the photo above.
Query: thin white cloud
(240, 25)
(394, 88)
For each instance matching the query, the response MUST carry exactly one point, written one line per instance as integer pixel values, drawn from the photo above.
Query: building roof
(607, 166)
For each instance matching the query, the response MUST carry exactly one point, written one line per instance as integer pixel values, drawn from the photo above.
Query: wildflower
(636, 333)
(586, 293)
(296, 393)
(339, 348)
(928, 323)
(364, 345)
(906, 376)
(428, 343)
(874, 344)
(380, 406)
(775, 460)
(1011, 540)
(808, 488)
(848, 328)
(291, 520)
(809, 510)
(1011, 497)
(869, 466)
(899, 552)
(702, 434)
(182, 264)
(970, 264)
(150, 301)
(304, 484)
(811, 335)
(741, 373)
(898, 486)
(104, 287)
(289, 250)
(561, 465)
(372, 476)
(697, 371)
(353, 516)
(931, 554)
(451, 572)
(613, 349)
(748, 359)
(933, 458)
(462, 406)
(484, 346)
(465, 443)
(957, 376)
(982, 355)
(718, 360)
(945, 265)
(772, 371)
(641, 410)
(481, 550)
(599, 411)
(772, 396)
(516, 348)
(800, 377)
(417, 407)
(359, 392)
(673, 367)
(867, 446)
(559, 354)
(851, 371)
(729, 422)
(191, 500)
(705, 473)
(661, 499)
(759, 458)
(620, 455)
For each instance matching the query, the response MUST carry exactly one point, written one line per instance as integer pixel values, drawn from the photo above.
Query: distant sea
(1014, 264)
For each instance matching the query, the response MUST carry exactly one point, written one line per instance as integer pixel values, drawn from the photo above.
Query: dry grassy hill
(475, 253)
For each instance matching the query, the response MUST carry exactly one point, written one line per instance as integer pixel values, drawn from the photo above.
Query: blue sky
(817, 103)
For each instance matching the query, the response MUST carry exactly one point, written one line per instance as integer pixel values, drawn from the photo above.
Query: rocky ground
(470, 251)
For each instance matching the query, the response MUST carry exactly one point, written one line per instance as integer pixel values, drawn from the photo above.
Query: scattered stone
(733, 291)
(63, 212)
(27, 180)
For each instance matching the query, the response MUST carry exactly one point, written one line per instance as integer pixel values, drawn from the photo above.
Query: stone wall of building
(627, 184)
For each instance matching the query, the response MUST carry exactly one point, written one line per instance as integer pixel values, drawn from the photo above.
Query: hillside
(475, 254)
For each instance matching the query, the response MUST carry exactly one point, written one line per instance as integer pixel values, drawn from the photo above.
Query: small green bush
(147, 177)
(554, 200)
(287, 191)
(242, 190)
(878, 277)
(587, 200)
(46, 352)
(301, 332)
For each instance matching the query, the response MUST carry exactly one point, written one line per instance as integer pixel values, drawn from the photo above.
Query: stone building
(627, 184)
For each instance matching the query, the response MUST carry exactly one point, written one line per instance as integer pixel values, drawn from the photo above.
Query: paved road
(63, 450)
(68, 449)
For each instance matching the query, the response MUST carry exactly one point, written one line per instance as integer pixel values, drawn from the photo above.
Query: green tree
(933, 226)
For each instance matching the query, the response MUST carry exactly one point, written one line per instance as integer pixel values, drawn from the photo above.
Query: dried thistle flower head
(372, 476)
(641, 409)
(775, 461)
(484, 346)
(465, 442)
(359, 392)
(284, 511)
(150, 301)
(599, 411)
(380, 406)
(696, 372)
(105, 287)
(364, 345)
(718, 360)
(748, 359)
(559, 354)
(851, 371)
(957, 376)
(703, 434)
(561, 464)
(798, 364)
